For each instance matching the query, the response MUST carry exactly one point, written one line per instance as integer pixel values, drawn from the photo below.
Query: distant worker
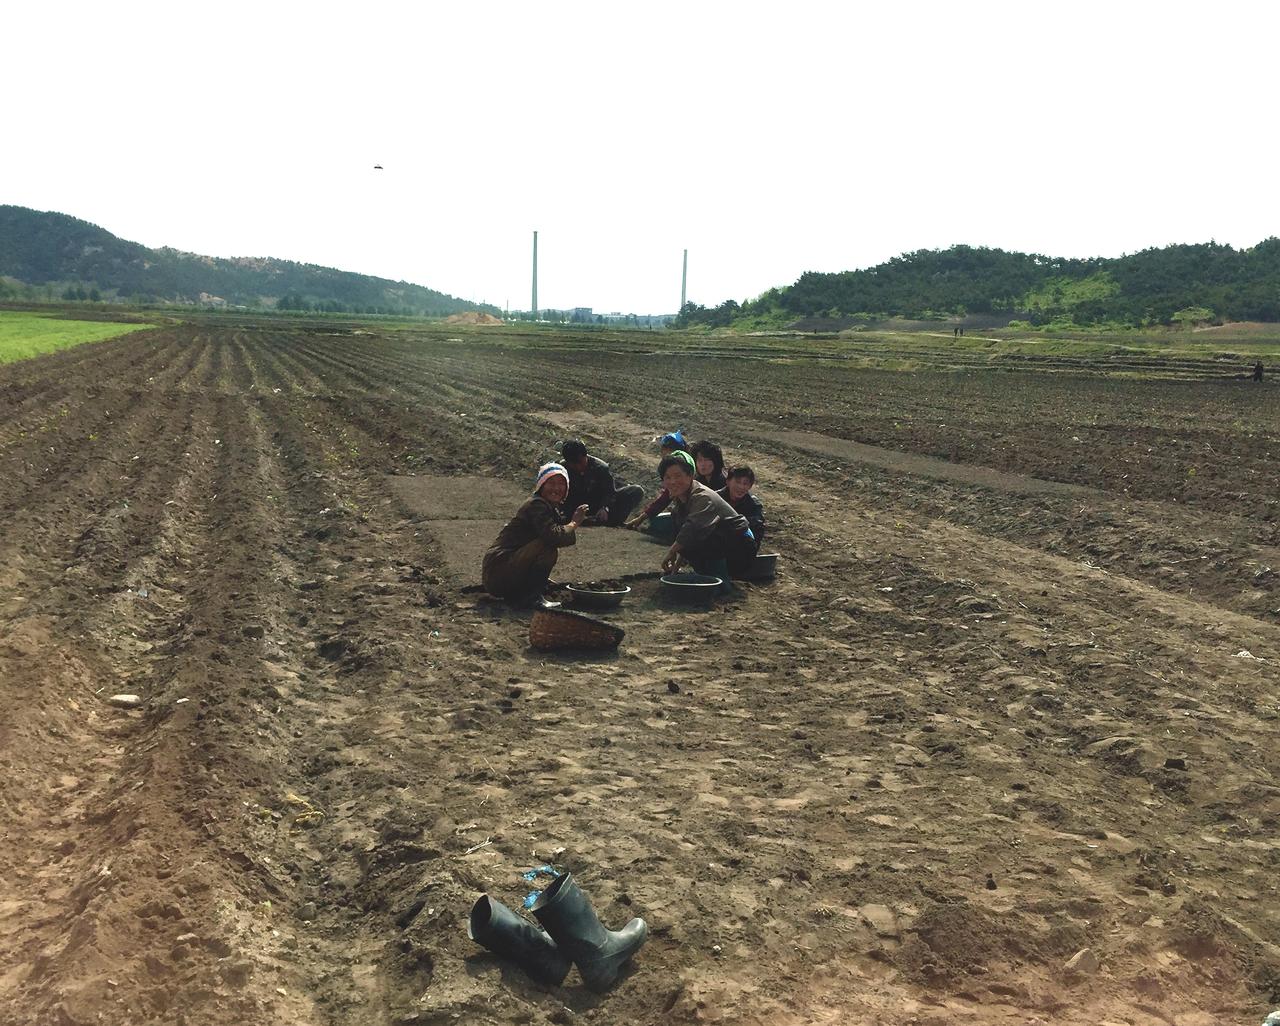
(1257, 371)
(591, 484)
(518, 565)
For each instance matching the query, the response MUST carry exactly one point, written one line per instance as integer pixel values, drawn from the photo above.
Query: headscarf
(548, 470)
(673, 440)
(681, 457)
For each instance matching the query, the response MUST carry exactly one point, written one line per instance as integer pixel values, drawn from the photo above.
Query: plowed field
(1014, 694)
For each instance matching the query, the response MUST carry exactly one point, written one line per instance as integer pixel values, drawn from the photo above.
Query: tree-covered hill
(1157, 286)
(45, 255)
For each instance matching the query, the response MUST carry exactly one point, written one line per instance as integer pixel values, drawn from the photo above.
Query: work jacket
(702, 512)
(593, 487)
(537, 518)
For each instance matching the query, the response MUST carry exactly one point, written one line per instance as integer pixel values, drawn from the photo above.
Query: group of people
(717, 522)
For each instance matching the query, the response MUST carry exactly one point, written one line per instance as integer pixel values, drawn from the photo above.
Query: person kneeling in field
(591, 484)
(708, 461)
(711, 535)
(737, 492)
(672, 442)
(518, 565)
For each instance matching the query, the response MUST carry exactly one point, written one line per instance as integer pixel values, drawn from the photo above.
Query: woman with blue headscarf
(518, 565)
(669, 443)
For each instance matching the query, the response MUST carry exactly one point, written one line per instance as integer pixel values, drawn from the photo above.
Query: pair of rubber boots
(572, 934)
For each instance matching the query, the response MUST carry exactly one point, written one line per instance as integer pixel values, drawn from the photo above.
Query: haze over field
(768, 139)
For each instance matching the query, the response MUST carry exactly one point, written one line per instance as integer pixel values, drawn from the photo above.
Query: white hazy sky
(767, 138)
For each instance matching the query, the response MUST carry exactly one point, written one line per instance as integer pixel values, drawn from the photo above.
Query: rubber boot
(513, 937)
(536, 596)
(599, 954)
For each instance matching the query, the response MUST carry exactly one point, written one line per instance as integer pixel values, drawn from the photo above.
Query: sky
(768, 139)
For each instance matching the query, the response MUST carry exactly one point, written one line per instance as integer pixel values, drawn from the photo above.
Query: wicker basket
(559, 628)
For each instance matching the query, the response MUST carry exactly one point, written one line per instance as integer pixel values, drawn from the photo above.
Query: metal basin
(586, 598)
(763, 568)
(690, 588)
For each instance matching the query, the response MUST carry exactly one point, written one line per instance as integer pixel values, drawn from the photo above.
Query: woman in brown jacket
(518, 564)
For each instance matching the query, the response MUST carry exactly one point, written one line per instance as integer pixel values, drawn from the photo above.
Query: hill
(1183, 283)
(50, 255)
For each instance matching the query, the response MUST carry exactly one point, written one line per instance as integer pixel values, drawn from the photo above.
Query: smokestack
(684, 278)
(535, 276)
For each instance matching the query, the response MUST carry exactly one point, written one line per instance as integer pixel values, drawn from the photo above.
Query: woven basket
(559, 628)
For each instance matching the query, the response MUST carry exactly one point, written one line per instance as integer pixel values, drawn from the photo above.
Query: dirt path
(908, 781)
(923, 466)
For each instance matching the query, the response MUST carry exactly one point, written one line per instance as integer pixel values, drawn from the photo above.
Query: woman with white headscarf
(518, 564)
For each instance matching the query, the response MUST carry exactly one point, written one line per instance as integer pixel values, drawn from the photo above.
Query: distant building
(586, 315)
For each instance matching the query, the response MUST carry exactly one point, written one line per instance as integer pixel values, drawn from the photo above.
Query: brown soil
(971, 730)
(601, 586)
(473, 319)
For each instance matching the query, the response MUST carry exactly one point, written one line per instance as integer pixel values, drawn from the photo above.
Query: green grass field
(24, 335)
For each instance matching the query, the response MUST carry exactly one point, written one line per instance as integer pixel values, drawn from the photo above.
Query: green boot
(599, 953)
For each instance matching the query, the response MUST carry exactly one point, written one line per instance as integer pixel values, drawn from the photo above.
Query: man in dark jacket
(591, 485)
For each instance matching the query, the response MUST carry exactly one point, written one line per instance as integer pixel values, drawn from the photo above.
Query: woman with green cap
(711, 535)
(518, 564)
